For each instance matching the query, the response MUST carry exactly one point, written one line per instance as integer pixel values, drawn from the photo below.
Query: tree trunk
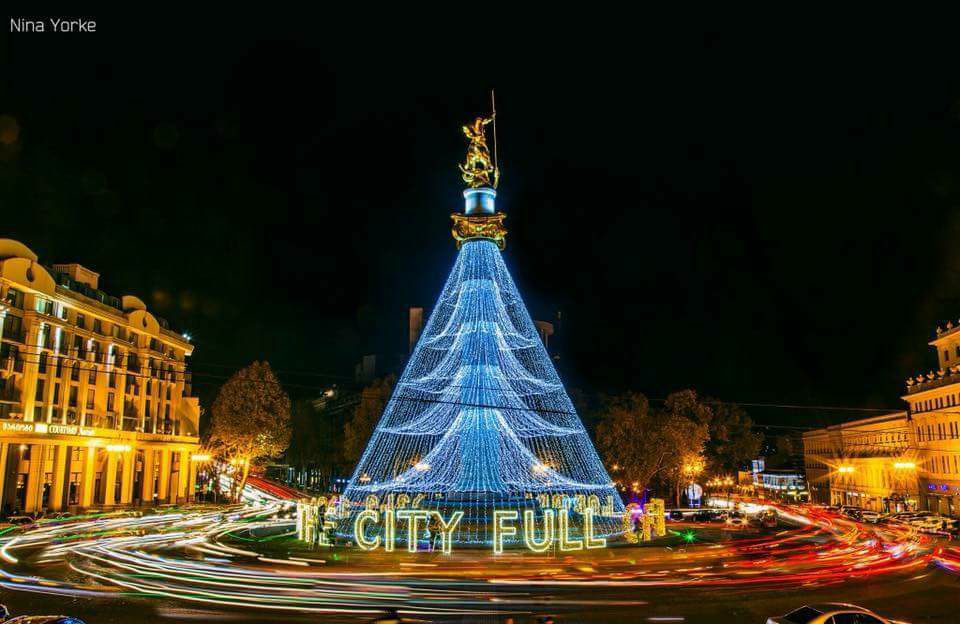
(238, 492)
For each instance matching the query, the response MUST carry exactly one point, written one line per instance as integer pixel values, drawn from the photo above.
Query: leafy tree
(318, 445)
(689, 432)
(251, 420)
(645, 445)
(732, 442)
(787, 451)
(357, 431)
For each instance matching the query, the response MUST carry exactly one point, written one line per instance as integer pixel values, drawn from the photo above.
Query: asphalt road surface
(153, 570)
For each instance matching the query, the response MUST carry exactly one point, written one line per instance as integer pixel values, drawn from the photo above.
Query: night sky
(764, 218)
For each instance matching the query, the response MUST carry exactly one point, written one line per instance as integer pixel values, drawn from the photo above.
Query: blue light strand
(480, 420)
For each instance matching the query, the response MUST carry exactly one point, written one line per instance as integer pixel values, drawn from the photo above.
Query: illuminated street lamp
(845, 469)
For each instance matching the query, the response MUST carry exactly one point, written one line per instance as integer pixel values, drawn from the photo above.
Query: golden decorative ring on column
(479, 226)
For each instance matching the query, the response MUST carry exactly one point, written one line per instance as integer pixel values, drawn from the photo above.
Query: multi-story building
(95, 405)
(870, 463)
(934, 401)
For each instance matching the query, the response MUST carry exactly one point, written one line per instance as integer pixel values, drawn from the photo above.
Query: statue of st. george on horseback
(479, 168)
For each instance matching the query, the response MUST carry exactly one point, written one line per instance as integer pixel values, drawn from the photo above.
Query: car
(676, 515)
(44, 619)
(831, 613)
(932, 523)
(709, 515)
(851, 511)
(20, 520)
(734, 520)
(868, 515)
(36, 619)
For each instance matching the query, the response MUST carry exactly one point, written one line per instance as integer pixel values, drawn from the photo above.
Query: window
(56, 393)
(91, 395)
(14, 298)
(81, 321)
(92, 376)
(44, 306)
(42, 364)
(73, 396)
(109, 401)
(44, 336)
(39, 395)
(97, 326)
(75, 372)
(946, 354)
(803, 615)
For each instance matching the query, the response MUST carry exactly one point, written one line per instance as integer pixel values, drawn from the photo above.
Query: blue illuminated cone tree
(480, 421)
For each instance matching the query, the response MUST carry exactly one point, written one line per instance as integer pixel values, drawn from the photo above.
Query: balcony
(943, 377)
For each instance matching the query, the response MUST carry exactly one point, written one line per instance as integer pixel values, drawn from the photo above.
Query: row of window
(13, 324)
(950, 400)
(942, 464)
(860, 442)
(943, 431)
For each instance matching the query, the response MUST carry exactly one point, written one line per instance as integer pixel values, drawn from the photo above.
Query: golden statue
(479, 168)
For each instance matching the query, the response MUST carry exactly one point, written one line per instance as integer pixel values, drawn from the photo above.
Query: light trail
(220, 557)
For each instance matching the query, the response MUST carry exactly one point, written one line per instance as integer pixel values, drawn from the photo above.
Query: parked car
(851, 511)
(20, 520)
(831, 613)
(868, 515)
(933, 523)
(676, 515)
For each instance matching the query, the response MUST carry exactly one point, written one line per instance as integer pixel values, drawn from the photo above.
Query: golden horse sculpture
(478, 169)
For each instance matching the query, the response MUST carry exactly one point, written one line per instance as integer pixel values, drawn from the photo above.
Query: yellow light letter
(589, 540)
(412, 516)
(565, 542)
(501, 530)
(389, 530)
(446, 530)
(530, 531)
(358, 523)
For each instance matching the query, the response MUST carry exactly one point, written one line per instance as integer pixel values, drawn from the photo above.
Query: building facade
(870, 463)
(934, 400)
(95, 405)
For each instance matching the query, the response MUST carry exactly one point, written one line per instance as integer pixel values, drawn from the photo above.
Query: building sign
(47, 428)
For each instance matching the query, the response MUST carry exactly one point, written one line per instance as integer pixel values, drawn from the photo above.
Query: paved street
(205, 565)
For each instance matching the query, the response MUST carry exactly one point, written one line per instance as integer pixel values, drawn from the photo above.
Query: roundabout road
(231, 564)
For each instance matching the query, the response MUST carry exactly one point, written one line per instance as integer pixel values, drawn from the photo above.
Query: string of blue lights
(528, 451)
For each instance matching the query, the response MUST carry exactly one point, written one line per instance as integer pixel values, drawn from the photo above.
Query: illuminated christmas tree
(480, 421)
